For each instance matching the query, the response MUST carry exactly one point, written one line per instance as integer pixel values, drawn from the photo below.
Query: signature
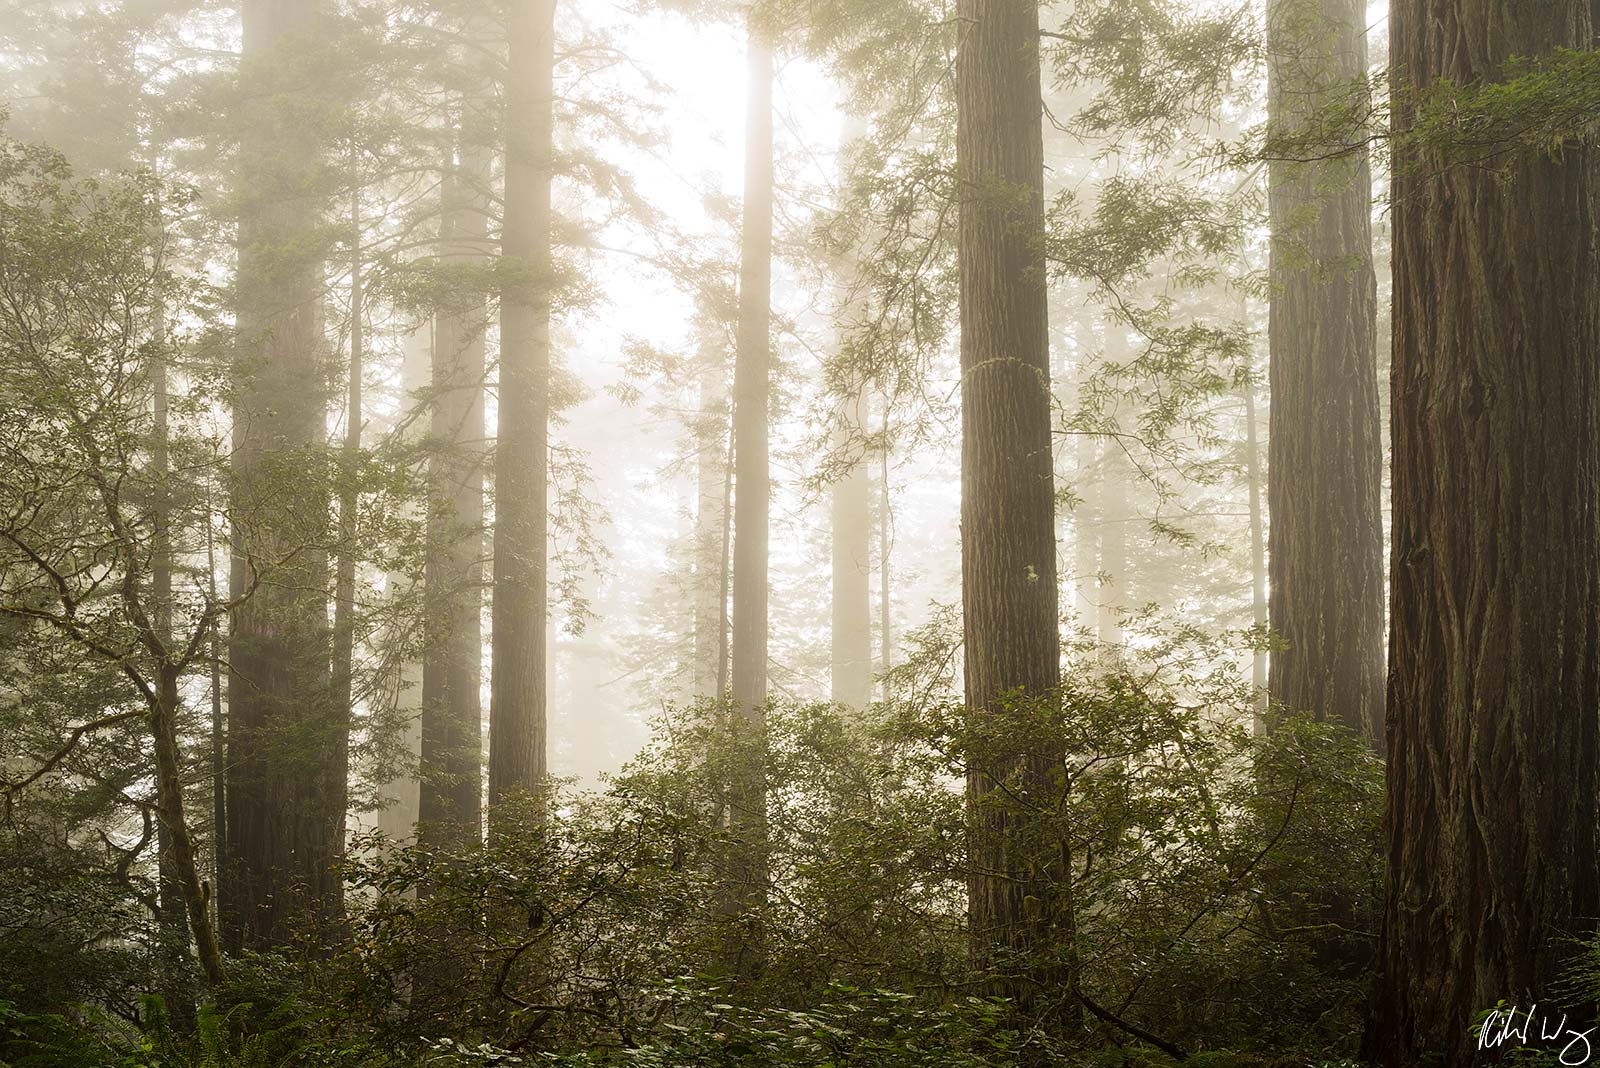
(1514, 1027)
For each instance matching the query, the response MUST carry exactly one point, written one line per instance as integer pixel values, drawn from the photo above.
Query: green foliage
(1154, 68)
(1544, 106)
(1219, 884)
(70, 932)
(849, 1027)
(1205, 902)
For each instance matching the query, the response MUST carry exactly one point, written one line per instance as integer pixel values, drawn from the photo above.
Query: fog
(766, 532)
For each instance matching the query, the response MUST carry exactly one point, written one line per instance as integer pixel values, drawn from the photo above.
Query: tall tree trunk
(725, 611)
(1495, 634)
(1008, 548)
(1258, 558)
(885, 543)
(710, 526)
(850, 492)
(517, 760)
(751, 392)
(1116, 515)
(169, 808)
(219, 738)
(450, 802)
(747, 794)
(401, 795)
(284, 729)
(344, 582)
(1324, 478)
(851, 517)
(1116, 519)
(1085, 515)
(170, 902)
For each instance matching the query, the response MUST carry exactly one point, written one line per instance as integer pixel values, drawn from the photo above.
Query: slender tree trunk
(1008, 548)
(402, 794)
(851, 516)
(1324, 478)
(452, 718)
(169, 805)
(284, 728)
(1086, 513)
(850, 492)
(1258, 558)
(885, 542)
(172, 917)
(1495, 635)
(725, 611)
(517, 760)
(1116, 517)
(344, 582)
(710, 527)
(219, 738)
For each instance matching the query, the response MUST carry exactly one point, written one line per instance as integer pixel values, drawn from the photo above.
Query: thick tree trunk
(1495, 640)
(1324, 477)
(517, 714)
(851, 517)
(450, 800)
(1008, 548)
(284, 823)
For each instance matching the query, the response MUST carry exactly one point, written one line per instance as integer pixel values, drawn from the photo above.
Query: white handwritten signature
(1502, 1025)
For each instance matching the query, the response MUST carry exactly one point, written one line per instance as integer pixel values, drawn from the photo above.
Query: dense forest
(743, 533)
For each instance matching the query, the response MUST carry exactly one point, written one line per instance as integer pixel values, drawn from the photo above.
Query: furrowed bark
(1008, 548)
(1495, 633)
(517, 700)
(450, 802)
(1324, 468)
(747, 794)
(283, 726)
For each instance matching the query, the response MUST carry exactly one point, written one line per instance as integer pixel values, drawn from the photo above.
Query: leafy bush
(1217, 890)
(1220, 886)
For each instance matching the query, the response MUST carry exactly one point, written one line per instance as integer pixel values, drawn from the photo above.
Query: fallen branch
(1107, 1016)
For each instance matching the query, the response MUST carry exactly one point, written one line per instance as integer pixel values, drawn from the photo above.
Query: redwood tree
(747, 800)
(1324, 471)
(1008, 548)
(452, 720)
(1495, 641)
(521, 459)
(751, 389)
(285, 827)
